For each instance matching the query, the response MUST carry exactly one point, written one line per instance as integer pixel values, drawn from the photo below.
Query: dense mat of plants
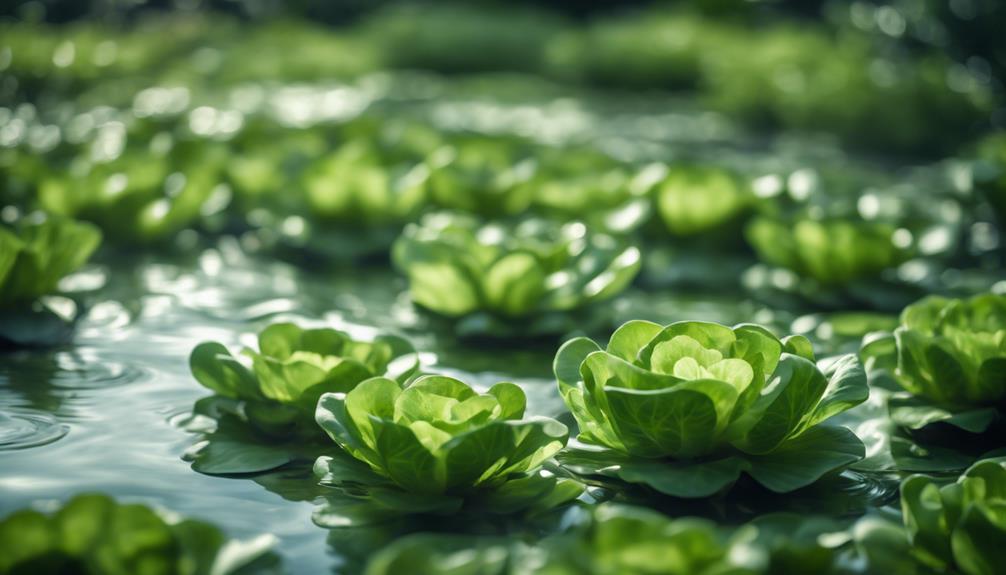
(846, 417)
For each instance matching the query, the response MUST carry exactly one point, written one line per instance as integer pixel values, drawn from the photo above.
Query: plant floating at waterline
(959, 527)
(833, 252)
(687, 408)
(457, 266)
(696, 199)
(35, 254)
(358, 187)
(38, 252)
(273, 392)
(95, 535)
(951, 358)
(439, 439)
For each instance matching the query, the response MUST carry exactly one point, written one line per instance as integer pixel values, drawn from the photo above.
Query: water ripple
(21, 430)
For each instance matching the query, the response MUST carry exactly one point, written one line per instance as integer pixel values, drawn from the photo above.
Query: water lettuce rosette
(270, 395)
(588, 185)
(482, 176)
(687, 408)
(832, 251)
(38, 252)
(360, 185)
(698, 199)
(141, 196)
(959, 527)
(92, 533)
(458, 266)
(951, 359)
(440, 440)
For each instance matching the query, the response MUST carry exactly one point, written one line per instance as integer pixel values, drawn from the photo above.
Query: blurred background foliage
(902, 76)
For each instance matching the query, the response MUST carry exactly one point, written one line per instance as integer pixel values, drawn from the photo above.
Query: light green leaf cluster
(696, 199)
(437, 435)
(294, 367)
(959, 527)
(953, 351)
(833, 251)
(457, 266)
(36, 254)
(138, 196)
(356, 185)
(687, 407)
(93, 534)
(482, 176)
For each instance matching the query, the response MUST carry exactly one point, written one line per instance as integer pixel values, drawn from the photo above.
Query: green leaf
(916, 413)
(406, 460)
(627, 341)
(799, 345)
(925, 520)
(686, 479)
(806, 458)
(913, 458)
(280, 340)
(978, 539)
(443, 287)
(216, 369)
(514, 284)
(783, 407)
(220, 456)
(847, 388)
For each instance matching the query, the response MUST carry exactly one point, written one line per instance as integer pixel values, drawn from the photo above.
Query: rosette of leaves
(361, 186)
(832, 251)
(436, 446)
(694, 200)
(94, 534)
(588, 185)
(951, 358)
(140, 196)
(458, 267)
(265, 400)
(486, 176)
(959, 527)
(687, 408)
(35, 254)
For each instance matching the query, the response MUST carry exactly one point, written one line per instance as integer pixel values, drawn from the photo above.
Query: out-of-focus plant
(435, 442)
(688, 407)
(588, 185)
(958, 527)
(486, 176)
(356, 186)
(990, 174)
(831, 251)
(457, 266)
(654, 50)
(776, 77)
(696, 199)
(459, 38)
(93, 534)
(38, 252)
(618, 539)
(272, 393)
(138, 196)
